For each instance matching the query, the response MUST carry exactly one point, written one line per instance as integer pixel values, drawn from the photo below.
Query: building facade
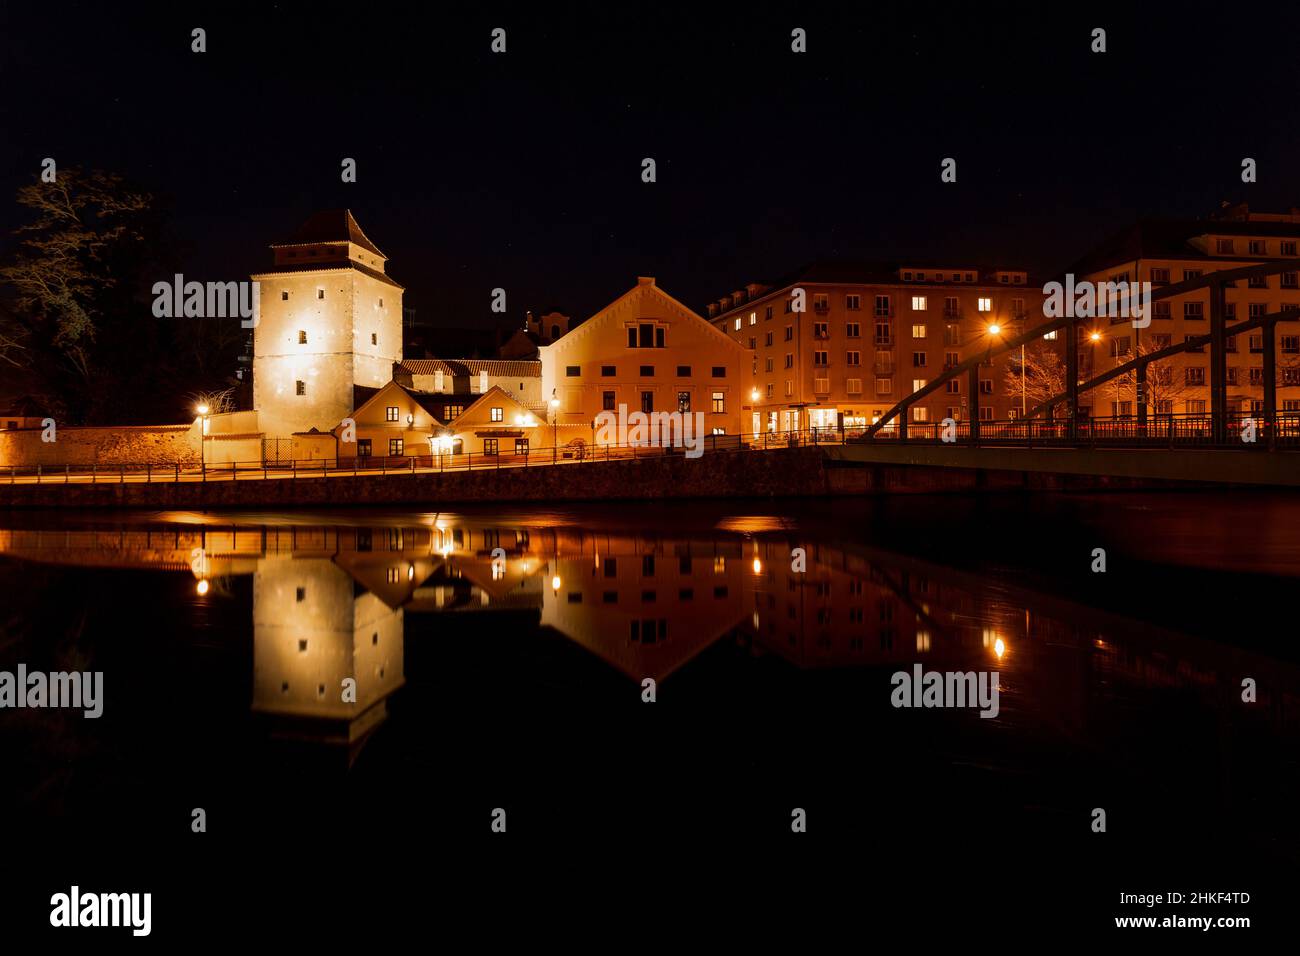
(648, 353)
(330, 323)
(838, 344)
(1169, 251)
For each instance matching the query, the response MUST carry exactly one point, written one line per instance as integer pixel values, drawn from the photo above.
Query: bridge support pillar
(1269, 331)
(1218, 366)
(973, 383)
(1140, 398)
(1072, 377)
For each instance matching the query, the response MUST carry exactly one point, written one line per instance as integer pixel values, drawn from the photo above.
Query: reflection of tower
(309, 634)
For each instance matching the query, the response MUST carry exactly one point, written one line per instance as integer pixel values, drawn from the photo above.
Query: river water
(502, 660)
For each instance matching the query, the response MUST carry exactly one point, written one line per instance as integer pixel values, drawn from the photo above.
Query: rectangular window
(884, 385)
(607, 371)
(853, 302)
(852, 359)
(391, 413)
(1189, 274)
(985, 304)
(821, 330)
(572, 371)
(631, 337)
(884, 334)
(1194, 375)
(521, 446)
(819, 359)
(1289, 280)
(363, 447)
(951, 307)
(920, 413)
(736, 326)
(789, 333)
(918, 360)
(789, 360)
(320, 293)
(954, 386)
(647, 402)
(394, 447)
(883, 306)
(767, 338)
(918, 384)
(1257, 247)
(302, 337)
(1291, 344)
(986, 386)
(821, 302)
(374, 338)
(853, 386)
(767, 313)
(284, 297)
(919, 303)
(683, 371)
(767, 364)
(300, 387)
(645, 336)
(1223, 247)
(647, 370)
(1160, 276)
(719, 371)
(1257, 282)
(489, 446)
(852, 330)
(918, 331)
(659, 336)
(683, 402)
(607, 401)
(498, 414)
(719, 402)
(1193, 310)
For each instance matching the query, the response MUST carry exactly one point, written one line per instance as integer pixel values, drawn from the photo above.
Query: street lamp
(555, 427)
(203, 410)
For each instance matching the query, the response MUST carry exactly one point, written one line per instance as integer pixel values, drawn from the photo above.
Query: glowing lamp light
(555, 583)
(753, 394)
(995, 329)
(758, 566)
(999, 647)
(202, 409)
(410, 572)
(1095, 336)
(202, 587)
(555, 403)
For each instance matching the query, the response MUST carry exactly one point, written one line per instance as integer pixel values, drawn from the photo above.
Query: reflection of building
(310, 634)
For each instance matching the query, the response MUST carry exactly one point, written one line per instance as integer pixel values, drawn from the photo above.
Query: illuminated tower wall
(330, 320)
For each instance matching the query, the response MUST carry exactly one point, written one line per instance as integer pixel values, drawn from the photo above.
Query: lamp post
(203, 435)
(555, 427)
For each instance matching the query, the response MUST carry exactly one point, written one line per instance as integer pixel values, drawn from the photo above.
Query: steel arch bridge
(1212, 429)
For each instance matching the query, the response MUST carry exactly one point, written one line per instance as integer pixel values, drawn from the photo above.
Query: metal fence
(1164, 431)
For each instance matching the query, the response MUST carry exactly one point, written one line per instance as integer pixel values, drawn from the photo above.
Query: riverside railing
(1159, 431)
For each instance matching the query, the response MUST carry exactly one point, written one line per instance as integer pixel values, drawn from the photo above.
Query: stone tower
(330, 324)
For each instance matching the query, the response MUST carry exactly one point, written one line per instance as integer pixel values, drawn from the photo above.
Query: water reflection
(330, 603)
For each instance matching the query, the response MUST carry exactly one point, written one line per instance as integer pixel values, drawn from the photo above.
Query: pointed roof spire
(330, 225)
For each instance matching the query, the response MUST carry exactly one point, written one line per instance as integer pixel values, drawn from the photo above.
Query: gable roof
(628, 303)
(330, 225)
(428, 402)
(494, 390)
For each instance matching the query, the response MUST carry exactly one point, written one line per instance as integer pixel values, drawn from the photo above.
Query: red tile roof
(330, 225)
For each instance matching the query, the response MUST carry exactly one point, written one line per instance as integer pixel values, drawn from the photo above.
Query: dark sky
(523, 170)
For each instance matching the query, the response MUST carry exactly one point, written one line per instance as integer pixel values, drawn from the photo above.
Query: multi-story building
(1169, 251)
(329, 329)
(863, 336)
(647, 352)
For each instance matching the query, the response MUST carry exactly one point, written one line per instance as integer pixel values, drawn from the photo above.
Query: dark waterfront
(519, 686)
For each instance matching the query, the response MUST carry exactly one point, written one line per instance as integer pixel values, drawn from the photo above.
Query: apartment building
(838, 343)
(1169, 251)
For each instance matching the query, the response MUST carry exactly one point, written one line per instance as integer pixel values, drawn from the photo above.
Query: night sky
(522, 170)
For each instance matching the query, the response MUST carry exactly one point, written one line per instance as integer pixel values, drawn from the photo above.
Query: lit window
(918, 384)
(918, 331)
(737, 324)
(719, 402)
(498, 414)
(391, 413)
(918, 303)
(985, 304)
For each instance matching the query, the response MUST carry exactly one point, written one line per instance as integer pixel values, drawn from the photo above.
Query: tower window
(302, 336)
(320, 293)
(300, 387)
(284, 296)
(374, 338)
(381, 303)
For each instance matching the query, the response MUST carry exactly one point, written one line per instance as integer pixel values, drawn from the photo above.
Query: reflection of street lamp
(203, 433)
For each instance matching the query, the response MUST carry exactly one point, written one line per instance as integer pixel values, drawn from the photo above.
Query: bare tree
(1044, 374)
(1164, 383)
